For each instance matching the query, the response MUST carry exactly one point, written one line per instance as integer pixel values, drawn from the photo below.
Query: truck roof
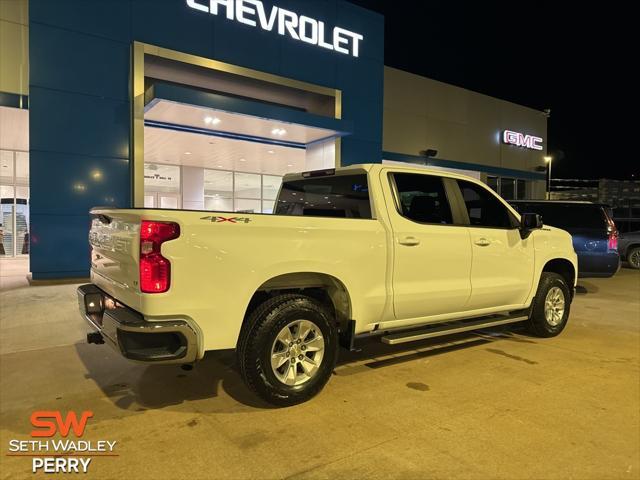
(368, 167)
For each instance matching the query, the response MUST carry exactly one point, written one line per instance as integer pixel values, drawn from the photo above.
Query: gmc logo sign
(521, 140)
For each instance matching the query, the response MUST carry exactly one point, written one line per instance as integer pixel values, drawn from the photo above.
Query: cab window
(422, 198)
(484, 209)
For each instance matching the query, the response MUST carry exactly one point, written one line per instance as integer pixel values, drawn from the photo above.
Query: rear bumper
(598, 264)
(125, 330)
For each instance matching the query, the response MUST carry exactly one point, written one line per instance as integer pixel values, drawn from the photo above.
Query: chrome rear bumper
(125, 330)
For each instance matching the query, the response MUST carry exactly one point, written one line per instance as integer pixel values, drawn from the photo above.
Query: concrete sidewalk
(492, 405)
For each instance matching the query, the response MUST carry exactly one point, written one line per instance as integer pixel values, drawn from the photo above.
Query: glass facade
(224, 190)
(508, 188)
(14, 203)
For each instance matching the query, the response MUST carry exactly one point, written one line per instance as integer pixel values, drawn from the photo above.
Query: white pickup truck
(404, 253)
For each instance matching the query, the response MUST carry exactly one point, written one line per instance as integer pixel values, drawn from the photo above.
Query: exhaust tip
(95, 337)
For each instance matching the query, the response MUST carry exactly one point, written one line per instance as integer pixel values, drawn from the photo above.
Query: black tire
(257, 339)
(633, 257)
(538, 323)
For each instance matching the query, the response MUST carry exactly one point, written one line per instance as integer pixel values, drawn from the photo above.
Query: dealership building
(206, 104)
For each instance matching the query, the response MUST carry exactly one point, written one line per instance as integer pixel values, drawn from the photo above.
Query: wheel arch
(562, 267)
(324, 287)
(629, 247)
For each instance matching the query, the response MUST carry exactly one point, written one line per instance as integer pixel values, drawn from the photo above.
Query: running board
(449, 329)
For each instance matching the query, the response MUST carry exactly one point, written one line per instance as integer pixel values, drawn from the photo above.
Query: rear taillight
(612, 234)
(155, 270)
(612, 243)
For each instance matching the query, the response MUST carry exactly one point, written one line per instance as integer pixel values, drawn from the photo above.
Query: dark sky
(566, 56)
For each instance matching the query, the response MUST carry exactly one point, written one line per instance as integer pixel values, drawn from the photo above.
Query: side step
(449, 329)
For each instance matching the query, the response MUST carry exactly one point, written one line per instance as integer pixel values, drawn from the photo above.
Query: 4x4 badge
(216, 219)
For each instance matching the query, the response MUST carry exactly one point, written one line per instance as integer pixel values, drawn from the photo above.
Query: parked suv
(595, 236)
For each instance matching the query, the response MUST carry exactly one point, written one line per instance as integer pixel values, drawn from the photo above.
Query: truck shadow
(138, 387)
(585, 288)
(214, 384)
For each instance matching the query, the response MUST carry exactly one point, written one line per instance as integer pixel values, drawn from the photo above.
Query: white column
(192, 188)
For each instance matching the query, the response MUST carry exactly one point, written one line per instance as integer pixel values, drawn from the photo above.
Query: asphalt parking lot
(497, 404)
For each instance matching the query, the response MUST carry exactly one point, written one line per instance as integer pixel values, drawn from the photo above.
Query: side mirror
(529, 222)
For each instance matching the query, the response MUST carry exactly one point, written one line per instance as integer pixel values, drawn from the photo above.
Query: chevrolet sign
(299, 27)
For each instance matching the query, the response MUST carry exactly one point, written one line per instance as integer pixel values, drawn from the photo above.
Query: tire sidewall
(538, 318)
(630, 255)
(262, 343)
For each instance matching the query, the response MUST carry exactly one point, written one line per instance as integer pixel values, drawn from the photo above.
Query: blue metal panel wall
(80, 107)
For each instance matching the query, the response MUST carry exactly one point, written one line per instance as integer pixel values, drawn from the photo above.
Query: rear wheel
(633, 257)
(288, 349)
(550, 310)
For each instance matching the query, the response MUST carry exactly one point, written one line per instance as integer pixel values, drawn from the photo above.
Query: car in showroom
(594, 233)
(401, 253)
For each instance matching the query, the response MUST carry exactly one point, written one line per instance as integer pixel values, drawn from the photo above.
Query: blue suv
(595, 237)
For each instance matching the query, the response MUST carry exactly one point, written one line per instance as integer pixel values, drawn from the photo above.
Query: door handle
(482, 242)
(409, 241)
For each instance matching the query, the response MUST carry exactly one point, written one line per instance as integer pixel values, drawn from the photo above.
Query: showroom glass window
(493, 183)
(422, 198)
(521, 189)
(162, 186)
(484, 208)
(508, 188)
(344, 196)
(14, 203)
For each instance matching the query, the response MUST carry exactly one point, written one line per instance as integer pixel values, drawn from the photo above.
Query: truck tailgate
(114, 238)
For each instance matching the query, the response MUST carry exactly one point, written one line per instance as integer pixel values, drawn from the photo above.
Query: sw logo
(216, 219)
(50, 422)
(60, 455)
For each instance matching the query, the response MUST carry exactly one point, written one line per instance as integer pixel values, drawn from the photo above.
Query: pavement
(496, 404)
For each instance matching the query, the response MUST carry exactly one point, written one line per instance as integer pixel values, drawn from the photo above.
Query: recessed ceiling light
(270, 152)
(212, 120)
(219, 166)
(187, 153)
(278, 131)
(289, 165)
(242, 160)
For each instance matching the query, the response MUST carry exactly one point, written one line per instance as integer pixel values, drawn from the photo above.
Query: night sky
(557, 55)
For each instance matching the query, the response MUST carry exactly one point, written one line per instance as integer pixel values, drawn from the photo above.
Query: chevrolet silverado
(401, 253)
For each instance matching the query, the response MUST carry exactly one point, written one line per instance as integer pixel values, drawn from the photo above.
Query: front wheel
(288, 349)
(550, 310)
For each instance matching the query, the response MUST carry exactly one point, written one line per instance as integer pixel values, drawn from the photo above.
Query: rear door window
(342, 196)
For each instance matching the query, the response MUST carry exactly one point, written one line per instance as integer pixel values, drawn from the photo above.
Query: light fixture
(211, 120)
(430, 152)
(187, 153)
(548, 158)
(278, 131)
(289, 165)
(242, 160)
(270, 152)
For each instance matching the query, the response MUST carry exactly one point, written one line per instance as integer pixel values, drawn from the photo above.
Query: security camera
(429, 153)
